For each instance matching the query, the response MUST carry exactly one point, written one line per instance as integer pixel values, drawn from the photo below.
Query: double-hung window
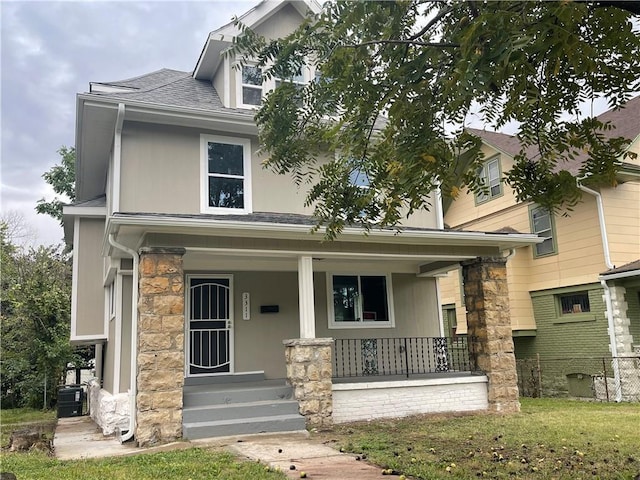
(226, 174)
(251, 86)
(250, 92)
(357, 301)
(489, 175)
(542, 225)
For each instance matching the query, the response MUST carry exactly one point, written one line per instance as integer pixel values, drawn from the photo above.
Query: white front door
(210, 325)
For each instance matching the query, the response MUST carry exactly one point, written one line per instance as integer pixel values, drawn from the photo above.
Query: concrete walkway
(79, 438)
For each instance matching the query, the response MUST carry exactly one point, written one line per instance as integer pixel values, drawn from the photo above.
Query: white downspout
(603, 226)
(134, 337)
(607, 292)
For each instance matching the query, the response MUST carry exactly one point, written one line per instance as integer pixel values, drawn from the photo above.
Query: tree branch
(431, 22)
(405, 42)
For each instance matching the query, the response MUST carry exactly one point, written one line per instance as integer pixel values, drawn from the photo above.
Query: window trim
(332, 324)
(239, 85)
(307, 72)
(204, 174)
(489, 197)
(552, 224)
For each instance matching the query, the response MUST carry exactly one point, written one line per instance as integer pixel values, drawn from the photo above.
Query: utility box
(580, 385)
(70, 400)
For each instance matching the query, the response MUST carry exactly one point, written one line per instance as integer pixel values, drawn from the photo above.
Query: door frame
(187, 321)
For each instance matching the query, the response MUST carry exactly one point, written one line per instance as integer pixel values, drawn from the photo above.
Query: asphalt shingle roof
(625, 120)
(170, 88)
(629, 267)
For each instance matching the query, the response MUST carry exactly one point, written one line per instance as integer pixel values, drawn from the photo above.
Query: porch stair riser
(208, 395)
(239, 409)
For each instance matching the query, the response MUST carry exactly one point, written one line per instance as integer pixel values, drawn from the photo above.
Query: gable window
(251, 85)
(577, 302)
(357, 301)
(489, 175)
(226, 174)
(543, 226)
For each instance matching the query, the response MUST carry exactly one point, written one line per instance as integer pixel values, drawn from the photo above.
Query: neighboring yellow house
(559, 289)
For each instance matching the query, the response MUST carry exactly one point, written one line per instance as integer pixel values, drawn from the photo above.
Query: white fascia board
(281, 230)
(76, 211)
(95, 87)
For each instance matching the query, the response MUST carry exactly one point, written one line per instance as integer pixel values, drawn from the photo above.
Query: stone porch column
(629, 373)
(489, 329)
(309, 373)
(160, 365)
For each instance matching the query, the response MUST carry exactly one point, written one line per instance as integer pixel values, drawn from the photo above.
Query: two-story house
(574, 297)
(192, 265)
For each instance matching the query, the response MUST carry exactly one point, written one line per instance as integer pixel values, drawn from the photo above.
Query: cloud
(52, 50)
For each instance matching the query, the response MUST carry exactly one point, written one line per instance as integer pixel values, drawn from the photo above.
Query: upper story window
(360, 301)
(542, 225)
(489, 175)
(251, 87)
(226, 174)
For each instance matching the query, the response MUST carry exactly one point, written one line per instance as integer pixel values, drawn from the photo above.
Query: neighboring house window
(577, 302)
(226, 174)
(543, 226)
(450, 320)
(360, 301)
(489, 175)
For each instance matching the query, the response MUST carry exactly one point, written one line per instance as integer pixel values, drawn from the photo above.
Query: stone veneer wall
(160, 361)
(489, 329)
(110, 412)
(309, 372)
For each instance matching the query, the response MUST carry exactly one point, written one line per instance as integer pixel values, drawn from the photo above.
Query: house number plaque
(246, 306)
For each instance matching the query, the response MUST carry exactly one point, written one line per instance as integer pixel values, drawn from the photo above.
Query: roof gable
(222, 38)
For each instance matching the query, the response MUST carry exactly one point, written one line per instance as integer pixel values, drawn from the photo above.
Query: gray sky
(52, 50)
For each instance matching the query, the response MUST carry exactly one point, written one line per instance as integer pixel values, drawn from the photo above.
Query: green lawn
(193, 463)
(549, 439)
(17, 418)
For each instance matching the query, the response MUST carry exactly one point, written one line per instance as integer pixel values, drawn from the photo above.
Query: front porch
(336, 381)
(352, 311)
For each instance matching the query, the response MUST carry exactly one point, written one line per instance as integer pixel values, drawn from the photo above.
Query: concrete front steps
(239, 408)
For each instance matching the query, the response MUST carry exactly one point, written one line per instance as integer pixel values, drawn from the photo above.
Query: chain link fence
(608, 379)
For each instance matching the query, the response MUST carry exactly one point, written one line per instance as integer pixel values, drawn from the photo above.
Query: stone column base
(309, 373)
(110, 412)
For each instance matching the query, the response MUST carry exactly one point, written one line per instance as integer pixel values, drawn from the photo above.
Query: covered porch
(355, 308)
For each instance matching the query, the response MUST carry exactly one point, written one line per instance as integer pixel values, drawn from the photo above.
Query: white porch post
(305, 295)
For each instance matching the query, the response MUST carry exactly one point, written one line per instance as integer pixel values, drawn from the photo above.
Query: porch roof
(435, 250)
(631, 269)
